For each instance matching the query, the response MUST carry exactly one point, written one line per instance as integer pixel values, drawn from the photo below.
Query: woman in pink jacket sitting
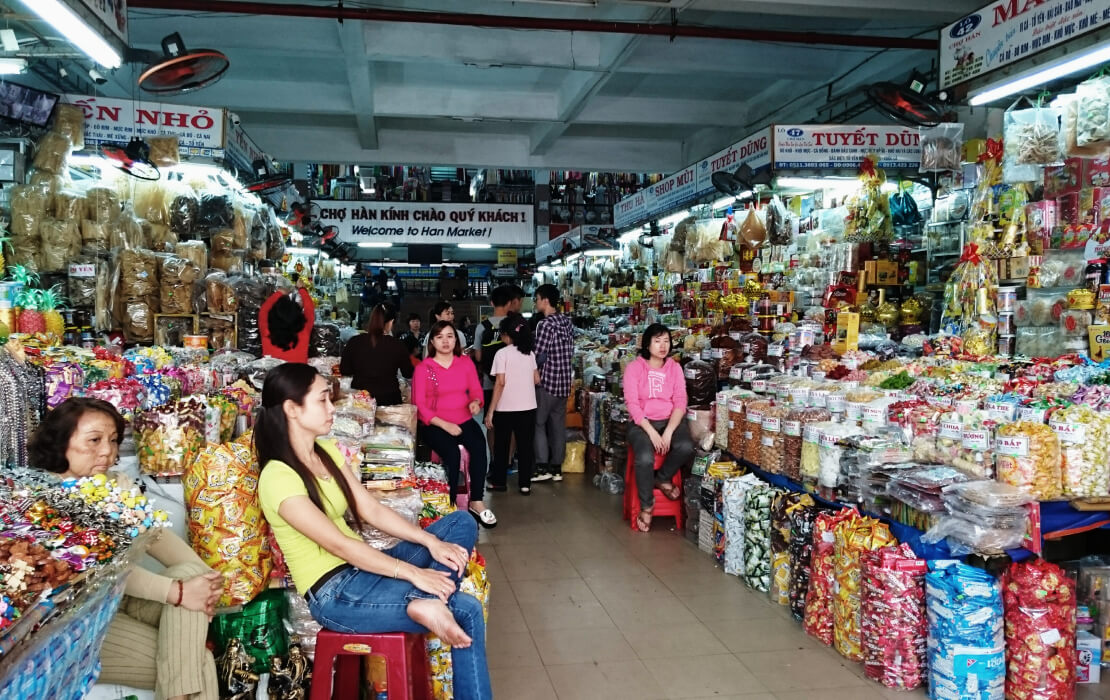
(655, 391)
(447, 394)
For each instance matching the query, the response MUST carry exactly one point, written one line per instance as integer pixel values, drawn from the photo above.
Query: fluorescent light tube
(673, 218)
(572, 258)
(475, 246)
(375, 244)
(76, 30)
(12, 66)
(1041, 75)
(9, 40)
(302, 251)
(602, 253)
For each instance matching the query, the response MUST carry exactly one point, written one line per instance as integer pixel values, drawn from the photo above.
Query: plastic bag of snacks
(226, 525)
(783, 508)
(772, 447)
(851, 539)
(893, 625)
(259, 627)
(1084, 435)
(818, 621)
(733, 492)
(1092, 121)
(69, 121)
(737, 424)
(177, 277)
(1039, 599)
(976, 454)
(1032, 136)
(941, 148)
(753, 430)
(169, 438)
(810, 466)
(967, 657)
(801, 552)
(757, 537)
(1028, 456)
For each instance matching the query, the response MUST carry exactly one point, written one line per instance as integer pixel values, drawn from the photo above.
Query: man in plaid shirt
(554, 350)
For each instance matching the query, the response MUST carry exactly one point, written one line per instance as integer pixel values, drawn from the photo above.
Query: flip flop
(641, 524)
(669, 490)
(486, 518)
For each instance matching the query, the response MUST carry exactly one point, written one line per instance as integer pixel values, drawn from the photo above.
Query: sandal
(669, 490)
(495, 488)
(486, 518)
(643, 524)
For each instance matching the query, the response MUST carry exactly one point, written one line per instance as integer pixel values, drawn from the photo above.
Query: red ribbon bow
(867, 167)
(971, 254)
(993, 151)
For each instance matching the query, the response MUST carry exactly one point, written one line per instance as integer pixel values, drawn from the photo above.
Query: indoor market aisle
(582, 607)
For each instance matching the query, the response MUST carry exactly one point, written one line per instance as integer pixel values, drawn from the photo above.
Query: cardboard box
(1098, 172)
(1098, 337)
(1089, 650)
(1013, 268)
(1063, 179)
(880, 272)
(847, 332)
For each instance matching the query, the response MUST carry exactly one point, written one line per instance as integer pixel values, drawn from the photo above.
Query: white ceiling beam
(915, 10)
(482, 46)
(604, 109)
(658, 56)
(360, 79)
(463, 103)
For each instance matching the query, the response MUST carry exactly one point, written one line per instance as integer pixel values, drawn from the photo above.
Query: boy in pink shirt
(655, 392)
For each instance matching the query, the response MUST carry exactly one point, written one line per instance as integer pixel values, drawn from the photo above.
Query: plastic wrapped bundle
(967, 653)
(169, 438)
(772, 442)
(733, 493)
(61, 243)
(177, 277)
(1029, 458)
(757, 537)
(801, 552)
(299, 623)
(216, 211)
(1039, 599)
(737, 425)
(184, 211)
(226, 525)
(783, 508)
(818, 620)
(51, 152)
(259, 626)
(892, 619)
(852, 539)
(753, 430)
(69, 121)
(793, 427)
(1084, 435)
(325, 340)
(193, 251)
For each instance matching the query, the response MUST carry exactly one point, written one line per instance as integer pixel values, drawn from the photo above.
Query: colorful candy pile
(1040, 632)
(892, 618)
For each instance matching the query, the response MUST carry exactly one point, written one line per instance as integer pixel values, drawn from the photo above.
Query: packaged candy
(1084, 435)
(893, 625)
(802, 522)
(852, 538)
(967, 653)
(811, 453)
(757, 537)
(733, 493)
(753, 430)
(1028, 456)
(782, 510)
(818, 621)
(168, 438)
(226, 525)
(794, 425)
(1040, 606)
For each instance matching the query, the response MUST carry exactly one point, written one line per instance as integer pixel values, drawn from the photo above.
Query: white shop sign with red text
(633, 208)
(844, 146)
(109, 120)
(430, 222)
(754, 151)
(112, 13)
(674, 190)
(1010, 30)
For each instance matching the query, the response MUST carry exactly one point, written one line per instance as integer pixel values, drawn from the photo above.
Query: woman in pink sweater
(655, 391)
(448, 394)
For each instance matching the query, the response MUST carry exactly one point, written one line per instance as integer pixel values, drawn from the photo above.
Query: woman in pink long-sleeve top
(448, 394)
(655, 392)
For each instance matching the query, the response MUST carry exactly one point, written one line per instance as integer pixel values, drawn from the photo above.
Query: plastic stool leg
(348, 675)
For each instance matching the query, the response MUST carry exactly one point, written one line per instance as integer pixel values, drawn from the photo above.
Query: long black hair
(439, 307)
(437, 327)
(516, 327)
(291, 382)
(651, 333)
(380, 317)
(286, 321)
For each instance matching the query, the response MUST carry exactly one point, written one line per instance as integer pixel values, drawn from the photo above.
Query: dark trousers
(506, 424)
(681, 453)
(446, 446)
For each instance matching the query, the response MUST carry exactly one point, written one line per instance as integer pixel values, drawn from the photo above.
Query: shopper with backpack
(512, 410)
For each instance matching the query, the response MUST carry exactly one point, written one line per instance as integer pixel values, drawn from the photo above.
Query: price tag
(735, 405)
(965, 406)
(735, 335)
(707, 354)
(754, 417)
(690, 373)
(818, 398)
(799, 396)
(874, 414)
(1001, 411)
(836, 403)
(690, 415)
(942, 401)
(1012, 446)
(853, 410)
(768, 441)
(793, 428)
(1031, 414)
(774, 350)
(817, 374)
(850, 363)
(749, 374)
(950, 430)
(772, 424)
(978, 440)
(1051, 636)
(827, 440)
(811, 434)
(1072, 433)
(736, 373)
(717, 353)
(759, 385)
(82, 270)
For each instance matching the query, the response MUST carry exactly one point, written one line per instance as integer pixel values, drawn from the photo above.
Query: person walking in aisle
(488, 338)
(373, 359)
(315, 504)
(512, 408)
(447, 394)
(554, 350)
(443, 311)
(655, 392)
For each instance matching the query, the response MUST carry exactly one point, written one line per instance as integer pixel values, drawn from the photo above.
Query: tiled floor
(582, 607)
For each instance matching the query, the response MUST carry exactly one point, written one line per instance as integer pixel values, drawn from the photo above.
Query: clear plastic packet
(968, 536)
(69, 121)
(1092, 123)
(1028, 457)
(177, 278)
(780, 231)
(1032, 136)
(51, 152)
(941, 148)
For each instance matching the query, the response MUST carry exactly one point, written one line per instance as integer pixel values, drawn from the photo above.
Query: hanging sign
(754, 151)
(675, 190)
(430, 222)
(844, 146)
(633, 208)
(241, 149)
(199, 130)
(506, 256)
(1010, 30)
(111, 13)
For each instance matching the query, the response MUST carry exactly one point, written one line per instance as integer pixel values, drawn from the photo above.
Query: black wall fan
(265, 182)
(741, 180)
(907, 103)
(133, 159)
(179, 70)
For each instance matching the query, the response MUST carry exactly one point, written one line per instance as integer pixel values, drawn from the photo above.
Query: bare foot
(435, 615)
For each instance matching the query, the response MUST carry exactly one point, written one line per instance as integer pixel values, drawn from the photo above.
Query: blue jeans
(355, 601)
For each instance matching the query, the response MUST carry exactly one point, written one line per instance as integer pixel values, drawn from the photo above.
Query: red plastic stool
(663, 505)
(462, 500)
(406, 664)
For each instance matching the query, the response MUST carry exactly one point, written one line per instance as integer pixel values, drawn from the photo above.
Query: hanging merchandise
(941, 149)
(1030, 137)
(869, 209)
(903, 208)
(753, 232)
(971, 302)
(779, 227)
(1093, 113)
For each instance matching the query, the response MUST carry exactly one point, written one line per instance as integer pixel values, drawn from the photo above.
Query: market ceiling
(583, 86)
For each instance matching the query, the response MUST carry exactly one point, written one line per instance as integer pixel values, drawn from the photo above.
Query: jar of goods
(794, 425)
(753, 431)
(772, 450)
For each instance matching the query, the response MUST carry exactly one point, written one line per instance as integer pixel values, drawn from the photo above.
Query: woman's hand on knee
(433, 581)
(200, 593)
(450, 555)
